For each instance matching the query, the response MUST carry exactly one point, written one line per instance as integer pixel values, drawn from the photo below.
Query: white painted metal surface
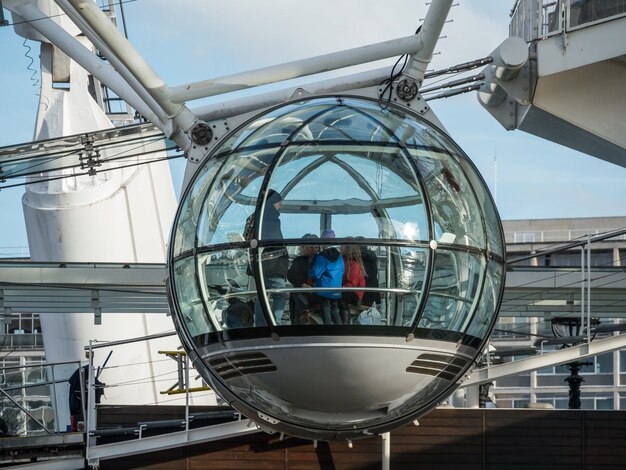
(120, 215)
(563, 356)
(171, 440)
(72, 463)
(571, 92)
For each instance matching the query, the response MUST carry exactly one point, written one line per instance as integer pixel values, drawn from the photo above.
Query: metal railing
(556, 235)
(535, 19)
(22, 341)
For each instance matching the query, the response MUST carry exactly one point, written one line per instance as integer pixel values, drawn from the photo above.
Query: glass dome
(321, 246)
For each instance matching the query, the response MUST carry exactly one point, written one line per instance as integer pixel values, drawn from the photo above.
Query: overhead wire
(45, 180)
(60, 15)
(82, 165)
(68, 153)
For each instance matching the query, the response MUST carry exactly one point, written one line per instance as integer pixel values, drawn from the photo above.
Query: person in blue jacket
(327, 271)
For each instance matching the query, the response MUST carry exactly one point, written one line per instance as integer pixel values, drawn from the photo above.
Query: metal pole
(108, 344)
(187, 395)
(386, 450)
(81, 379)
(588, 289)
(91, 405)
(53, 399)
(582, 286)
(428, 37)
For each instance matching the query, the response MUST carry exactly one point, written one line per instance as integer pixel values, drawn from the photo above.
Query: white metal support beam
(295, 69)
(574, 353)
(72, 463)
(171, 440)
(176, 113)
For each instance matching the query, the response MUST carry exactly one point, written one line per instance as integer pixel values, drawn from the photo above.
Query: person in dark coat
(75, 395)
(370, 265)
(274, 259)
(298, 276)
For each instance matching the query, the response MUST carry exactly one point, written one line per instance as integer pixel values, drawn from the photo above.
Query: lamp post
(568, 329)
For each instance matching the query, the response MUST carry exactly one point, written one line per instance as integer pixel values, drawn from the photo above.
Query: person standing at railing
(353, 276)
(298, 276)
(274, 259)
(327, 271)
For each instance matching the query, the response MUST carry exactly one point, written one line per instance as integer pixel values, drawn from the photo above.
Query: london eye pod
(391, 186)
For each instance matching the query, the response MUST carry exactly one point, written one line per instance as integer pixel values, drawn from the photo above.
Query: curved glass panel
(371, 193)
(454, 288)
(495, 242)
(194, 316)
(284, 127)
(485, 202)
(347, 123)
(404, 269)
(185, 234)
(317, 218)
(233, 197)
(358, 170)
(227, 287)
(245, 131)
(456, 214)
(486, 309)
(273, 264)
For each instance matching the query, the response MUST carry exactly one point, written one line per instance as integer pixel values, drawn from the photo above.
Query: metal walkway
(27, 287)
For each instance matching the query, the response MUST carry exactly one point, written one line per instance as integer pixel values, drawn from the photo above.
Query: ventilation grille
(234, 365)
(443, 366)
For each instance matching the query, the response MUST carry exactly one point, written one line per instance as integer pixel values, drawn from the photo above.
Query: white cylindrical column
(120, 215)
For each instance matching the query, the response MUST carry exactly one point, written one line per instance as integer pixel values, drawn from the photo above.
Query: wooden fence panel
(493, 439)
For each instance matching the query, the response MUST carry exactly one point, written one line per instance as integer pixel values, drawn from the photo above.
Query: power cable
(97, 161)
(59, 15)
(393, 75)
(45, 180)
(49, 156)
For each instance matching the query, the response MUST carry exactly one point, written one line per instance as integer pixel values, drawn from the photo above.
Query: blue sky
(199, 40)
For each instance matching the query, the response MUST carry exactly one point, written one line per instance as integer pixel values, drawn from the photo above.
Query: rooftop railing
(556, 235)
(536, 19)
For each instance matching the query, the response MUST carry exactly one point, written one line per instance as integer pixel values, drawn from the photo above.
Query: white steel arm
(177, 113)
(124, 73)
(574, 353)
(298, 68)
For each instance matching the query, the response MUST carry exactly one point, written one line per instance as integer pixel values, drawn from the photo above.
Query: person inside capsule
(327, 272)
(394, 190)
(275, 260)
(298, 276)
